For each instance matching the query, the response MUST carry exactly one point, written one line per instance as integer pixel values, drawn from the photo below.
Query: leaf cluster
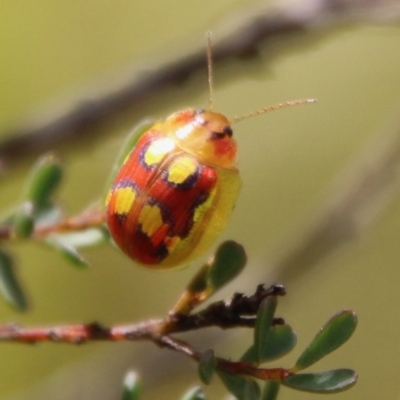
(37, 216)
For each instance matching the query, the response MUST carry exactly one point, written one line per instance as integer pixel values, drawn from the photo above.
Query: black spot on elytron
(166, 214)
(200, 199)
(120, 218)
(126, 182)
(188, 183)
(156, 252)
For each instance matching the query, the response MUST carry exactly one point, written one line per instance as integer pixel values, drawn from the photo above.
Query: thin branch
(224, 315)
(261, 26)
(79, 334)
(90, 217)
(240, 311)
(232, 367)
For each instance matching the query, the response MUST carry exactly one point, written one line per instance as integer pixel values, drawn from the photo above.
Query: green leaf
(194, 394)
(265, 317)
(271, 390)
(85, 238)
(281, 340)
(199, 283)
(207, 366)
(126, 148)
(10, 287)
(23, 221)
(331, 336)
(67, 251)
(48, 215)
(242, 388)
(229, 260)
(45, 177)
(132, 387)
(323, 382)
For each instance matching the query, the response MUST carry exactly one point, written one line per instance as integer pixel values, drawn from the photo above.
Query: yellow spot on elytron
(124, 199)
(157, 150)
(181, 169)
(151, 219)
(172, 242)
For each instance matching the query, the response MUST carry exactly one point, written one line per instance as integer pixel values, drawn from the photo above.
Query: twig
(91, 217)
(224, 315)
(239, 311)
(259, 27)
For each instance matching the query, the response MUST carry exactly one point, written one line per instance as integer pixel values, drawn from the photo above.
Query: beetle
(177, 187)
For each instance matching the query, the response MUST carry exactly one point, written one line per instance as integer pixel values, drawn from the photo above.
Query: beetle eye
(228, 131)
(198, 111)
(217, 135)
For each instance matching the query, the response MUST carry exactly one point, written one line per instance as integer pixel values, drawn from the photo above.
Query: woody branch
(90, 217)
(240, 311)
(255, 28)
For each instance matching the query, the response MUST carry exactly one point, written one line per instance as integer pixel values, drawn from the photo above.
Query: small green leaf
(250, 355)
(23, 221)
(48, 215)
(229, 260)
(242, 388)
(10, 287)
(331, 336)
(271, 390)
(207, 366)
(323, 382)
(44, 178)
(73, 256)
(194, 394)
(126, 148)
(132, 387)
(68, 252)
(265, 317)
(199, 283)
(281, 340)
(86, 238)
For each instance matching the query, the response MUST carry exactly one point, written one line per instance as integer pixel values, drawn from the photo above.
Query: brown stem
(221, 314)
(90, 217)
(240, 311)
(82, 333)
(262, 26)
(79, 334)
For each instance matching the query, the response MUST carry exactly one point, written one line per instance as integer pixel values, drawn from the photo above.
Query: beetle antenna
(275, 107)
(209, 71)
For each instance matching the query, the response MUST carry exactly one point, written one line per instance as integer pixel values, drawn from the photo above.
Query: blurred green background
(51, 49)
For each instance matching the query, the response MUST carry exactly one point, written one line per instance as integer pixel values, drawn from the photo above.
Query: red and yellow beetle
(176, 189)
